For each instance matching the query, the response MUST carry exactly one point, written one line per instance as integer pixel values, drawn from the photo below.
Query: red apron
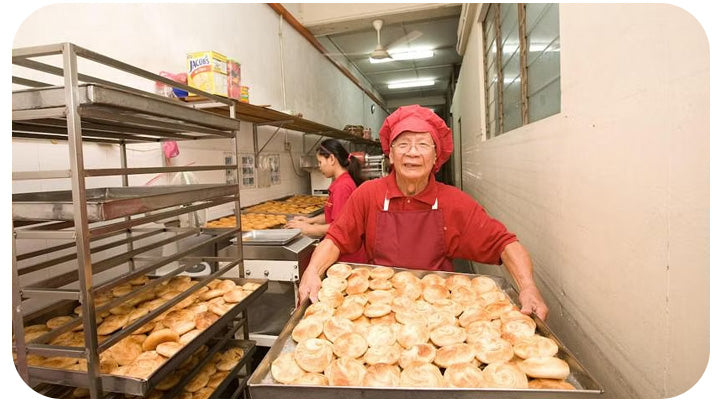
(411, 239)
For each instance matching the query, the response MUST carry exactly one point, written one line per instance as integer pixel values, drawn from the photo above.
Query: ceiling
(433, 28)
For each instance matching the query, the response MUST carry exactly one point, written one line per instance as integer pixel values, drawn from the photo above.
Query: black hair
(347, 161)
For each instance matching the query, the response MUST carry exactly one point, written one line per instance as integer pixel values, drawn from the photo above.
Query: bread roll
(432, 279)
(413, 334)
(168, 349)
(112, 323)
(339, 270)
(139, 280)
(160, 336)
(421, 375)
(424, 307)
(422, 353)
(448, 335)
(388, 319)
(357, 284)
(307, 328)
(333, 297)
(122, 289)
(230, 358)
(168, 382)
(455, 281)
(217, 379)
(479, 330)
(402, 303)
(457, 353)
(284, 369)
(535, 346)
(345, 371)
(482, 284)
(517, 328)
(464, 375)
(411, 289)
(311, 379)
(497, 309)
(350, 309)
(383, 354)
(322, 310)
(212, 293)
(489, 297)
(226, 285)
(336, 326)
(381, 335)
(448, 305)
(59, 362)
(463, 295)
(404, 277)
(250, 286)
(125, 351)
(440, 318)
(361, 325)
(349, 345)
(219, 309)
(435, 292)
(144, 366)
(504, 375)
(313, 355)
(473, 314)
(550, 384)
(493, 349)
(382, 273)
(360, 271)
(382, 375)
(377, 310)
(203, 393)
(187, 337)
(380, 297)
(410, 316)
(58, 321)
(545, 367)
(334, 283)
(380, 284)
(361, 299)
(237, 294)
(198, 382)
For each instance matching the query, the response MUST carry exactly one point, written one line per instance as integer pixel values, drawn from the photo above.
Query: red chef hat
(418, 119)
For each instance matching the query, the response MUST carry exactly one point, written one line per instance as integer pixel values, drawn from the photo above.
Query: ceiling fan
(384, 53)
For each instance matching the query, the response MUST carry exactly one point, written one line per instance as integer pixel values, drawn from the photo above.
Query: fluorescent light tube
(411, 83)
(406, 55)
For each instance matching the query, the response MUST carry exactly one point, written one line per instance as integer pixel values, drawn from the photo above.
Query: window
(522, 64)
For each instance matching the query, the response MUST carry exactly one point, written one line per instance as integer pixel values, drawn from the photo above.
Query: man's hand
(309, 286)
(531, 301)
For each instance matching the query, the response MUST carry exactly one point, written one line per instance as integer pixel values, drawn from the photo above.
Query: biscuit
(284, 369)
(550, 384)
(382, 375)
(349, 345)
(464, 375)
(216, 379)
(112, 323)
(311, 379)
(388, 319)
(350, 309)
(125, 351)
(381, 335)
(203, 320)
(455, 281)
(421, 375)
(339, 270)
(545, 367)
(382, 273)
(447, 335)
(457, 353)
(383, 354)
(357, 284)
(168, 349)
(422, 353)
(482, 284)
(314, 355)
(160, 336)
(380, 297)
(448, 305)
(377, 310)
(307, 328)
(336, 326)
(504, 375)
(432, 279)
(323, 310)
(413, 334)
(333, 297)
(493, 349)
(345, 371)
(168, 382)
(58, 321)
(334, 283)
(479, 330)
(440, 318)
(198, 382)
(535, 346)
(380, 284)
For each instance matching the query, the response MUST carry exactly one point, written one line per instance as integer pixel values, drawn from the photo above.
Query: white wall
(611, 195)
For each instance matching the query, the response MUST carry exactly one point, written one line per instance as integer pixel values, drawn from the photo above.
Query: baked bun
(145, 365)
(411, 289)
(203, 320)
(482, 284)
(380, 335)
(345, 371)
(410, 316)
(504, 375)
(480, 330)
(435, 292)
(383, 354)
(204, 392)
(388, 319)
(493, 349)
(440, 318)
(377, 310)
(336, 326)
(168, 349)
(357, 284)
(311, 379)
(350, 309)
(455, 281)
(198, 382)
(225, 285)
(404, 277)
(314, 355)
(421, 375)
(159, 336)
(237, 294)
(535, 346)
(168, 382)
(464, 296)
(333, 297)
(497, 309)
(413, 334)
(250, 286)
(349, 345)
(112, 323)
(307, 328)
(334, 283)
(66, 363)
(187, 337)
(58, 321)
(382, 273)
(212, 293)
(458, 353)
(550, 384)
(424, 307)
(323, 310)
(217, 379)
(473, 314)
(230, 358)
(122, 289)
(448, 305)
(139, 280)
(489, 297)
(432, 279)
(380, 297)
(361, 272)
(379, 284)
(402, 303)
(464, 375)
(447, 335)
(284, 369)
(382, 375)
(517, 328)
(339, 270)
(422, 353)
(545, 367)
(361, 299)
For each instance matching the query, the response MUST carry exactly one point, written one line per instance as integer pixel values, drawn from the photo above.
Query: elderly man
(409, 220)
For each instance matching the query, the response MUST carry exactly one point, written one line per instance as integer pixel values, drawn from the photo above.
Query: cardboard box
(233, 75)
(207, 71)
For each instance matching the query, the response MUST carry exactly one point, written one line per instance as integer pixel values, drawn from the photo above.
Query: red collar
(427, 196)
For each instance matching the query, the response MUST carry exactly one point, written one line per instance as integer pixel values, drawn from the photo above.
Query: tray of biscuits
(141, 360)
(248, 222)
(305, 205)
(383, 332)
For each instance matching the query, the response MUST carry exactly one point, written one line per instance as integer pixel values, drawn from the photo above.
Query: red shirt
(470, 233)
(339, 192)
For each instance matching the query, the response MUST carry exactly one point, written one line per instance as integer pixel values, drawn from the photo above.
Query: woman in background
(334, 162)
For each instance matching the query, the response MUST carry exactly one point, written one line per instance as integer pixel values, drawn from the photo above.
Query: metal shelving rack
(89, 109)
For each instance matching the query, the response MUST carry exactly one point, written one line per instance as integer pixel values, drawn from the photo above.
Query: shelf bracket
(257, 150)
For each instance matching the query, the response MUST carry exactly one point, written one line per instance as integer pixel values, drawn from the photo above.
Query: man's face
(413, 155)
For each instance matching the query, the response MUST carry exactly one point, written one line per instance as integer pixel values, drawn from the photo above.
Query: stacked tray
(289, 206)
(262, 384)
(143, 386)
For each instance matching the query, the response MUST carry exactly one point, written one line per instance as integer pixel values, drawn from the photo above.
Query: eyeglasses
(404, 147)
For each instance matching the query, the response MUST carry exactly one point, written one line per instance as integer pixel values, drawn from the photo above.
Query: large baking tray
(288, 215)
(262, 385)
(139, 386)
(273, 237)
(113, 202)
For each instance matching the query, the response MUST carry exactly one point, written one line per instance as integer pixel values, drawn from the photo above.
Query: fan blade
(405, 39)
